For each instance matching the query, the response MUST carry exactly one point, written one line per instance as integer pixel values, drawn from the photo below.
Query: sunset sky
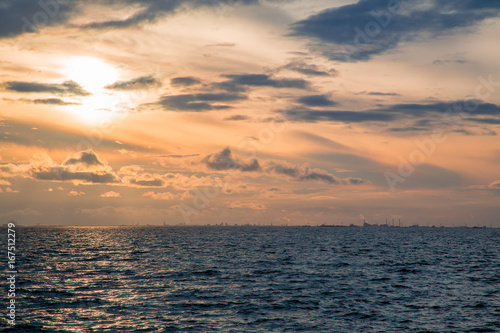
(250, 111)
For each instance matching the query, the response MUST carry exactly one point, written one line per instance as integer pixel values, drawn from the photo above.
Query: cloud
(221, 45)
(181, 156)
(153, 10)
(495, 185)
(83, 167)
(237, 117)
(184, 81)
(376, 93)
(472, 107)
(24, 16)
(111, 194)
(84, 157)
(75, 193)
(53, 101)
(303, 173)
(198, 102)
(316, 100)
(47, 101)
(160, 196)
(439, 110)
(300, 66)
(146, 180)
(310, 115)
(62, 174)
(407, 129)
(224, 160)
(491, 121)
(359, 31)
(237, 81)
(135, 175)
(139, 83)
(67, 88)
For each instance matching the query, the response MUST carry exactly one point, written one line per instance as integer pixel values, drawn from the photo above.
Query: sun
(93, 75)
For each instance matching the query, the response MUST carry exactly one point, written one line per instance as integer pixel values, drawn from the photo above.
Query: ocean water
(256, 279)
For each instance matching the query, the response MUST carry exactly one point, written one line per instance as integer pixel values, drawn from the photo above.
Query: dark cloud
(84, 166)
(67, 88)
(62, 174)
(376, 93)
(316, 100)
(181, 156)
(238, 82)
(302, 67)
(237, 117)
(48, 101)
(309, 115)
(304, 173)
(139, 83)
(358, 31)
(153, 10)
(53, 101)
(184, 81)
(490, 121)
(407, 129)
(439, 110)
(468, 107)
(25, 16)
(450, 61)
(84, 157)
(198, 102)
(146, 182)
(224, 160)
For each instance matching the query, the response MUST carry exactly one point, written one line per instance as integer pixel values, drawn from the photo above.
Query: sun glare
(93, 75)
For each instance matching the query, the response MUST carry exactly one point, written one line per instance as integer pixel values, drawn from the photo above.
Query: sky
(250, 111)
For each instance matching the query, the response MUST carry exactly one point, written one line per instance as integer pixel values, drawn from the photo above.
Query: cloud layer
(367, 28)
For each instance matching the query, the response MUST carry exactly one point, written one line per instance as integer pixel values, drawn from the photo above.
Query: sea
(255, 279)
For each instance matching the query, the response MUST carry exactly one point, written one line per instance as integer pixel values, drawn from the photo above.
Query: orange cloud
(111, 194)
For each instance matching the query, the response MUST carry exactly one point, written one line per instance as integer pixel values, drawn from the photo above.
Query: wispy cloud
(139, 83)
(199, 102)
(184, 81)
(67, 88)
(239, 82)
